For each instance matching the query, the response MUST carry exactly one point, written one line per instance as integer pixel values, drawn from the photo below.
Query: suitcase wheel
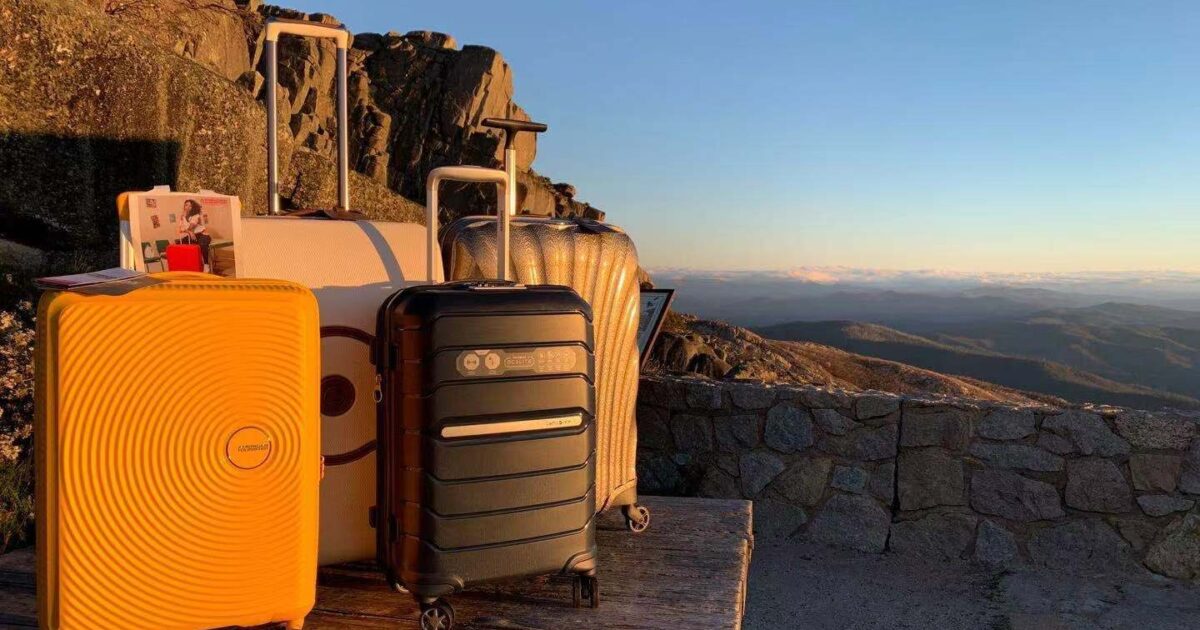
(438, 615)
(637, 518)
(585, 588)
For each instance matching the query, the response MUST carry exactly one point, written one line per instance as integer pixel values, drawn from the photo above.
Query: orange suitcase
(178, 453)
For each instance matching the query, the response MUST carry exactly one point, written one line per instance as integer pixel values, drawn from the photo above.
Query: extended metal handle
(472, 174)
(511, 127)
(276, 27)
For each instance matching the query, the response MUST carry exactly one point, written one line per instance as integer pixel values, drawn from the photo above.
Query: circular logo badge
(248, 448)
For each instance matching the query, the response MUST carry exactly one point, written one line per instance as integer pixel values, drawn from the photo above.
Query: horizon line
(927, 270)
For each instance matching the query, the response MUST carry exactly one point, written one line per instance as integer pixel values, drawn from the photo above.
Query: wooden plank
(18, 609)
(16, 569)
(689, 570)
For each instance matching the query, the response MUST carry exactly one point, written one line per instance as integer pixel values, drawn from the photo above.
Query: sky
(972, 136)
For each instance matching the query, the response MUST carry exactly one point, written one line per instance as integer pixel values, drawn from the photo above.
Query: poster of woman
(201, 234)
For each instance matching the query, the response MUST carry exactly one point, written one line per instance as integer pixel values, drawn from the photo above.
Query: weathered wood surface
(689, 570)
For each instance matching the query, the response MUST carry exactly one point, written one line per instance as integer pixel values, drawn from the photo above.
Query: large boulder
(417, 101)
(101, 97)
(687, 353)
(212, 33)
(90, 107)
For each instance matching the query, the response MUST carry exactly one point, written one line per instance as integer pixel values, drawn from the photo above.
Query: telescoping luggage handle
(274, 28)
(470, 174)
(511, 127)
(506, 189)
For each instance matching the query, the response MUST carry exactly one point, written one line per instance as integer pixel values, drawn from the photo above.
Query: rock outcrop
(102, 96)
(417, 100)
(89, 108)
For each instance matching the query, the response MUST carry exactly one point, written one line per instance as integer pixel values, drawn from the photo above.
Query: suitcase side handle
(276, 27)
(470, 174)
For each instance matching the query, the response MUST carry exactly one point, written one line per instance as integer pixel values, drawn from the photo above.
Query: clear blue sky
(984, 135)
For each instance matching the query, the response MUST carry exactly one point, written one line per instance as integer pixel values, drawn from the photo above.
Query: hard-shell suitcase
(178, 453)
(600, 262)
(352, 265)
(486, 433)
(184, 257)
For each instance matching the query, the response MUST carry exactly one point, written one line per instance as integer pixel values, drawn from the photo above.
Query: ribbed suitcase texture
(599, 262)
(178, 461)
(487, 447)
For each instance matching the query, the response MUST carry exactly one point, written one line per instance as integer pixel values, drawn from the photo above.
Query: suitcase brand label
(248, 448)
(512, 426)
(533, 361)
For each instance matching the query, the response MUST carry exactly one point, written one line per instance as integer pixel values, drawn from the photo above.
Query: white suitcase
(351, 265)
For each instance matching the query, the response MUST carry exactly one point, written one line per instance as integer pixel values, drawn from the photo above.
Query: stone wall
(1088, 489)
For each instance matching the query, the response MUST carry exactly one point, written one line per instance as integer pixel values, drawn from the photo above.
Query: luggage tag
(116, 281)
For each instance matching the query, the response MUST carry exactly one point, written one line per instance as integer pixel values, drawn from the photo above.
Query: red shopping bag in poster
(184, 258)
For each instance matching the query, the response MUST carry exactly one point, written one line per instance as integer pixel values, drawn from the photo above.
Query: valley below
(1107, 342)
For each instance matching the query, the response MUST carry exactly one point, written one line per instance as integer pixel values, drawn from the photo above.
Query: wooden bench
(689, 570)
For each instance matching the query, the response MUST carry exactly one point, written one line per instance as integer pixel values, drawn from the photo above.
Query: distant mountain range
(1116, 353)
(1123, 338)
(718, 349)
(906, 298)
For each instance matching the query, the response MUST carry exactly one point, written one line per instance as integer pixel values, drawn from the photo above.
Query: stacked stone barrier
(1087, 488)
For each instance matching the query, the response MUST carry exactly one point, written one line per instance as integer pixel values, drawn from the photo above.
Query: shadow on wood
(689, 570)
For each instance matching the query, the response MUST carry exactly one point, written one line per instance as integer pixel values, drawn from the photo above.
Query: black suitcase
(486, 462)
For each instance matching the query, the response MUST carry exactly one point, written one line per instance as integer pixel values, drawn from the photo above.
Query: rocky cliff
(416, 100)
(100, 96)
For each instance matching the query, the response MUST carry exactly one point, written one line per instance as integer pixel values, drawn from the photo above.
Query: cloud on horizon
(1164, 283)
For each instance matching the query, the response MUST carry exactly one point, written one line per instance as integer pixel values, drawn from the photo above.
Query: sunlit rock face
(100, 97)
